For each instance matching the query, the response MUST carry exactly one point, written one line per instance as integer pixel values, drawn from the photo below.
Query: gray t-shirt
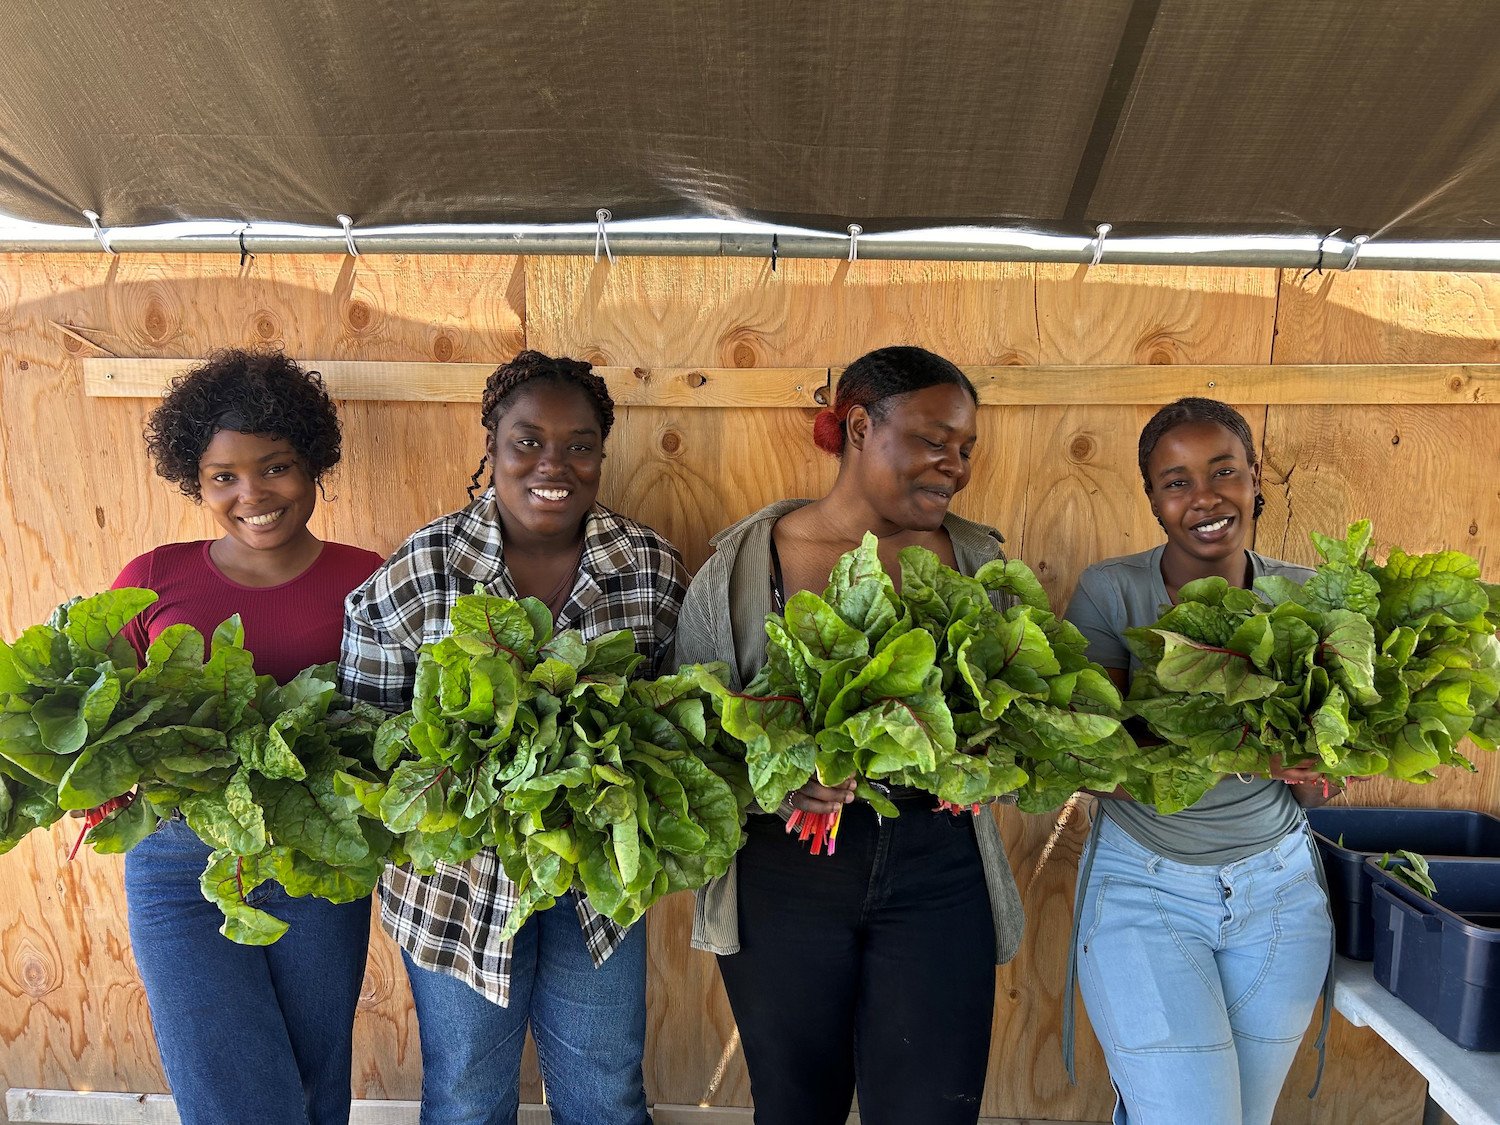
(1235, 818)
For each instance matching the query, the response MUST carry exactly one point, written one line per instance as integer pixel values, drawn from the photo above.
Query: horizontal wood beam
(1248, 384)
(729, 387)
(392, 381)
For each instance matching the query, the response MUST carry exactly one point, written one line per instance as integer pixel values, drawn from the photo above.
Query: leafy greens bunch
(1371, 669)
(540, 746)
(933, 688)
(249, 763)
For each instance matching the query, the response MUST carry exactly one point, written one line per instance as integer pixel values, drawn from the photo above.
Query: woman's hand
(1303, 773)
(815, 798)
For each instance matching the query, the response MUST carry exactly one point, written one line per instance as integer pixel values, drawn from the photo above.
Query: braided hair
(1188, 411)
(529, 369)
(873, 380)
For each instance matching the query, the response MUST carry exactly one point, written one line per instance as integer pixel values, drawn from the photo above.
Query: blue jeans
(1200, 980)
(589, 1025)
(249, 1035)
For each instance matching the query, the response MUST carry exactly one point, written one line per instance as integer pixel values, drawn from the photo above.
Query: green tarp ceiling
(1157, 116)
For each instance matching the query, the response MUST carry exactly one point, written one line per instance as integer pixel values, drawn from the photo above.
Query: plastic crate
(1374, 832)
(1442, 956)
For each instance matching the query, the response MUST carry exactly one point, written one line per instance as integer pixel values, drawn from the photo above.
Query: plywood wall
(77, 499)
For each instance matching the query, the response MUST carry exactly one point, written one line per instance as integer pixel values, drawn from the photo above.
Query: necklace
(559, 595)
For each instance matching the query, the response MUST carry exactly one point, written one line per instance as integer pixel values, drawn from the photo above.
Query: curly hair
(873, 379)
(1188, 411)
(532, 368)
(251, 392)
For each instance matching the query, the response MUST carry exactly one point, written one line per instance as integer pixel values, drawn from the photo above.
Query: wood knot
(24, 365)
(744, 347)
(442, 349)
(1473, 529)
(641, 373)
(696, 379)
(1081, 449)
(1456, 383)
(155, 320)
(595, 356)
(1396, 439)
(1160, 350)
(820, 396)
(37, 976)
(99, 517)
(358, 315)
(265, 326)
(671, 442)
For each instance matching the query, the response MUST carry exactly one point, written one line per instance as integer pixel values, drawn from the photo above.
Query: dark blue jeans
(873, 967)
(248, 1035)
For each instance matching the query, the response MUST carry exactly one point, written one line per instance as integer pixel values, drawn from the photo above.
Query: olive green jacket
(723, 618)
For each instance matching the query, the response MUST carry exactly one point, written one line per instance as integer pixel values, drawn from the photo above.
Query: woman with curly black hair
(574, 977)
(248, 1035)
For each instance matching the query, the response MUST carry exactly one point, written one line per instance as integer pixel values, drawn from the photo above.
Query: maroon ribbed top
(287, 627)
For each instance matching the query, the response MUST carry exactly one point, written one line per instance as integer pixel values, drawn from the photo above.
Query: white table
(1465, 1084)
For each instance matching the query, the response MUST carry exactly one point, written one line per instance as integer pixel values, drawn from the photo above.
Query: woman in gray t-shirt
(1204, 936)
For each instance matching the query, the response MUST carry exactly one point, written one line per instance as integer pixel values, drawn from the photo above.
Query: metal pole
(970, 244)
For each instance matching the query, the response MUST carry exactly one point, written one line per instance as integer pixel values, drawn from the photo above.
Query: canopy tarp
(1157, 116)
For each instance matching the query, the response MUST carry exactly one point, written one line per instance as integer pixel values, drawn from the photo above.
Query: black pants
(875, 967)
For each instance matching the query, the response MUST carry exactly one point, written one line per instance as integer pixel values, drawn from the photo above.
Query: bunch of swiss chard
(249, 763)
(933, 688)
(1371, 669)
(542, 747)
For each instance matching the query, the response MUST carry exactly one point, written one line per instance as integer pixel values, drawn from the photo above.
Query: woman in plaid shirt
(577, 978)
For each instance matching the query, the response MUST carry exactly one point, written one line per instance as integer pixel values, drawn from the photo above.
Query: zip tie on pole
(855, 230)
(348, 224)
(1101, 232)
(1317, 267)
(601, 236)
(244, 250)
(1358, 242)
(99, 232)
(775, 250)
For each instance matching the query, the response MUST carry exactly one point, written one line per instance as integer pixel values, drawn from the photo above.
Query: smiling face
(915, 458)
(548, 450)
(1202, 487)
(257, 490)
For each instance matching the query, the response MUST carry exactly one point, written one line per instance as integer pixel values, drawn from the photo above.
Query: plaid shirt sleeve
(386, 619)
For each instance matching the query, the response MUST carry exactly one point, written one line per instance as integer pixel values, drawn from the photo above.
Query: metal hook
(348, 224)
(601, 236)
(1358, 242)
(99, 231)
(855, 230)
(1101, 232)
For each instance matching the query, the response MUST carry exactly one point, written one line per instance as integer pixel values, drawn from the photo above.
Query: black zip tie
(1317, 267)
(775, 249)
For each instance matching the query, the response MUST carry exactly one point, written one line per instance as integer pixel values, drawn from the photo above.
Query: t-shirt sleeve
(137, 572)
(1097, 610)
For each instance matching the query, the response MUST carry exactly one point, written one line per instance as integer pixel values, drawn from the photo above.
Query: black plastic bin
(1347, 836)
(1442, 956)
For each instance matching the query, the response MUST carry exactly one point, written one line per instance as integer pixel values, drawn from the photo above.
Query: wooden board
(1055, 471)
(397, 381)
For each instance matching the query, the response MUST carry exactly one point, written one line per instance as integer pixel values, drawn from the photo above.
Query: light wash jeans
(249, 1035)
(589, 1026)
(1200, 980)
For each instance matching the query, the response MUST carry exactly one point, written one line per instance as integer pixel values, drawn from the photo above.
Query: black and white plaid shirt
(628, 578)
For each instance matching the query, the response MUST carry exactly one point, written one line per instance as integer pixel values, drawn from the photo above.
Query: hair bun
(828, 432)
